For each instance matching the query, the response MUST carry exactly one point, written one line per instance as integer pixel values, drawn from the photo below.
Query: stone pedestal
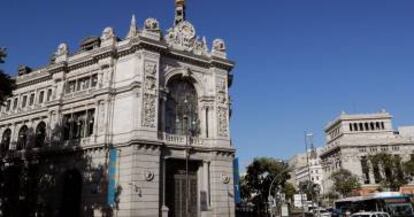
(164, 211)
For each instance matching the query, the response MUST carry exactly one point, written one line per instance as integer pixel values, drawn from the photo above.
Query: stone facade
(351, 138)
(115, 95)
(301, 172)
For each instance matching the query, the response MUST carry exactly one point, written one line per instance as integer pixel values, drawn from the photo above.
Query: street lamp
(271, 186)
(189, 128)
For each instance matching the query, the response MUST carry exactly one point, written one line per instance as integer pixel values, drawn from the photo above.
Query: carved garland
(150, 95)
(222, 109)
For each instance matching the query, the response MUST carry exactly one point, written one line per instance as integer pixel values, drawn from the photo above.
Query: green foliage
(289, 190)
(392, 169)
(345, 182)
(7, 84)
(408, 167)
(259, 175)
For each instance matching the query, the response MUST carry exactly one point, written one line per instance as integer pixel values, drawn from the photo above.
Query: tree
(345, 182)
(7, 84)
(408, 168)
(259, 176)
(310, 189)
(393, 176)
(289, 190)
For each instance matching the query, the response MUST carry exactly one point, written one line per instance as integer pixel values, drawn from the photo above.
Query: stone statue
(108, 33)
(151, 24)
(62, 49)
(219, 45)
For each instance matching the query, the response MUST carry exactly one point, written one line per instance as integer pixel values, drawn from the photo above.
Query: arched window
(40, 134)
(377, 125)
(23, 138)
(5, 140)
(361, 127)
(366, 127)
(372, 126)
(182, 108)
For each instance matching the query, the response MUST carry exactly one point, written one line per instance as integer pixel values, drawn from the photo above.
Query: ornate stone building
(137, 126)
(352, 138)
(301, 172)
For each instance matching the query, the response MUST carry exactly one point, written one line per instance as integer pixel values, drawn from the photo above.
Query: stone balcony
(173, 139)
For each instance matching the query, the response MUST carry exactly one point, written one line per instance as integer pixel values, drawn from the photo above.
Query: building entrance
(182, 191)
(72, 192)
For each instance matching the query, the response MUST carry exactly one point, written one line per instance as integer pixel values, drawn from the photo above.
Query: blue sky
(299, 62)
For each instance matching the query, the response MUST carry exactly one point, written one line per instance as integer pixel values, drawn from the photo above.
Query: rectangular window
(71, 87)
(80, 85)
(49, 95)
(86, 83)
(90, 121)
(41, 96)
(15, 104)
(94, 81)
(8, 105)
(31, 101)
(78, 125)
(24, 101)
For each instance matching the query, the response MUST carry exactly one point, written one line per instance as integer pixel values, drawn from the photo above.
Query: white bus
(394, 203)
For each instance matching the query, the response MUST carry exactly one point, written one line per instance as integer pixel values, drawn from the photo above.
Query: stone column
(371, 173)
(164, 208)
(162, 106)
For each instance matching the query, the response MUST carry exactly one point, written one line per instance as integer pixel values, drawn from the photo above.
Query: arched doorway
(5, 141)
(23, 137)
(71, 194)
(40, 134)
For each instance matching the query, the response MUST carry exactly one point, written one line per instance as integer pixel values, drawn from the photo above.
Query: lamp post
(309, 139)
(271, 186)
(189, 125)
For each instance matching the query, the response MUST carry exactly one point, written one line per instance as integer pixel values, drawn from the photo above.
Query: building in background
(135, 125)
(352, 138)
(302, 171)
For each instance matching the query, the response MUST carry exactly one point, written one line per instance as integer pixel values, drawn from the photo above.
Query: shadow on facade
(56, 179)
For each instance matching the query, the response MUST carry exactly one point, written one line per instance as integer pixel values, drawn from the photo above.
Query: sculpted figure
(108, 33)
(62, 49)
(219, 45)
(151, 24)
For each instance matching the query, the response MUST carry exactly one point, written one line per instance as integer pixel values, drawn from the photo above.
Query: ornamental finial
(179, 11)
(132, 28)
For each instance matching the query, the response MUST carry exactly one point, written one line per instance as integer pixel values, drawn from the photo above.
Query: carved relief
(101, 116)
(222, 109)
(151, 24)
(150, 95)
(183, 37)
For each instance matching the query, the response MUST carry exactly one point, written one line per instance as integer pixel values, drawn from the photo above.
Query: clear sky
(299, 62)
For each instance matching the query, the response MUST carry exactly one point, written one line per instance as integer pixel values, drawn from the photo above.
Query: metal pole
(310, 135)
(187, 179)
(271, 185)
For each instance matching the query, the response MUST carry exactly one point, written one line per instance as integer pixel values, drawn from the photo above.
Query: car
(370, 214)
(321, 212)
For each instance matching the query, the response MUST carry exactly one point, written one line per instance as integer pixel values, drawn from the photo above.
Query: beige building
(351, 138)
(307, 167)
(123, 126)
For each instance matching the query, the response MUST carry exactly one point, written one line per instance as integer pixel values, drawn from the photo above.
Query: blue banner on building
(236, 180)
(113, 155)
